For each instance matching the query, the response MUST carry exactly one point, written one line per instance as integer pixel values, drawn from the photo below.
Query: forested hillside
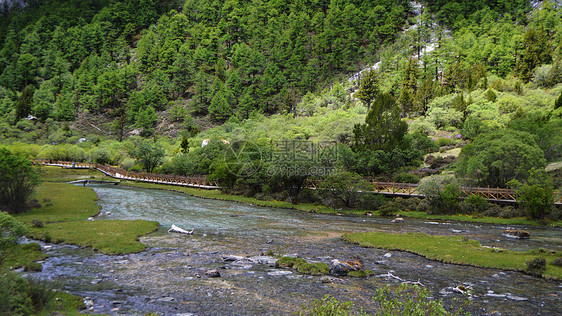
(100, 78)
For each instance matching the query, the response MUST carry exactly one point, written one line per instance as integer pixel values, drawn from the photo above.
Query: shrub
(328, 306)
(371, 201)
(557, 262)
(406, 178)
(389, 209)
(10, 231)
(14, 298)
(536, 266)
(473, 204)
(400, 300)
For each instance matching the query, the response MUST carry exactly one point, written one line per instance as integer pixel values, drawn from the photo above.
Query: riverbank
(458, 250)
(61, 216)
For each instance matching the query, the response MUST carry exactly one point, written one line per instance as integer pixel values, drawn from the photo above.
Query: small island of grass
(458, 250)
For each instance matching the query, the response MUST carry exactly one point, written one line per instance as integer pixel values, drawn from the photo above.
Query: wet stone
(213, 273)
(96, 281)
(279, 273)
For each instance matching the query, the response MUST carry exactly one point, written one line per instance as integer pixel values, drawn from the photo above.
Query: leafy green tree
(383, 128)
(18, 179)
(442, 195)
(342, 189)
(495, 158)
(536, 193)
(149, 154)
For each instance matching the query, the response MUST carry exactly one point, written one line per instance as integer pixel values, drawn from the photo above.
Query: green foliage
(442, 195)
(329, 306)
(149, 154)
(398, 300)
(409, 300)
(536, 193)
(18, 179)
(10, 231)
(538, 51)
(537, 266)
(383, 128)
(474, 204)
(368, 88)
(342, 189)
(558, 102)
(495, 158)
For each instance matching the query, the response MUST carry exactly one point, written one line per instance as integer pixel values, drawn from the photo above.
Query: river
(168, 278)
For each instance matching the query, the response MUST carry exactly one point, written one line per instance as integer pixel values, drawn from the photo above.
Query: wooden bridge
(386, 188)
(117, 173)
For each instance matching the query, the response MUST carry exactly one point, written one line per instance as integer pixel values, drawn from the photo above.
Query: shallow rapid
(169, 277)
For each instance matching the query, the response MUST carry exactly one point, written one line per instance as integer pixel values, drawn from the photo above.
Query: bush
(557, 262)
(327, 306)
(398, 300)
(389, 209)
(18, 179)
(406, 178)
(14, 297)
(536, 266)
(474, 204)
(10, 231)
(371, 201)
(36, 223)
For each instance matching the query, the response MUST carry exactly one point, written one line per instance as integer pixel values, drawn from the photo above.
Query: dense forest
(142, 84)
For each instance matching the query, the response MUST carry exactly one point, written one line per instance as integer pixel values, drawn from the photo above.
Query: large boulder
(518, 234)
(340, 268)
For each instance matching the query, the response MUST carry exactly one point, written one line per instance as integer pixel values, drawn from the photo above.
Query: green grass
(22, 255)
(483, 219)
(107, 236)
(63, 304)
(456, 249)
(68, 202)
(65, 221)
(59, 174)
(303, 266)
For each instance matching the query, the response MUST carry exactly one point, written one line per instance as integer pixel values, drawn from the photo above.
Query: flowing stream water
(168, 278)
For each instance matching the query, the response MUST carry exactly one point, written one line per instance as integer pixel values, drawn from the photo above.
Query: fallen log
(176, 229)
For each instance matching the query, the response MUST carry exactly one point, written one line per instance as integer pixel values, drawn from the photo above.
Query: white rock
(387, 255)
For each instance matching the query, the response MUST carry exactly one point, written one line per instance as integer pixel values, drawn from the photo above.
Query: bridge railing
(118, 173)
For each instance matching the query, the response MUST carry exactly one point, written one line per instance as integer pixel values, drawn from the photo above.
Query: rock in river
(514, 233)
(338, 267)
(213, 273)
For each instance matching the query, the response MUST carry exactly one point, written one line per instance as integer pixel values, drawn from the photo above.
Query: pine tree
(368, 88)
